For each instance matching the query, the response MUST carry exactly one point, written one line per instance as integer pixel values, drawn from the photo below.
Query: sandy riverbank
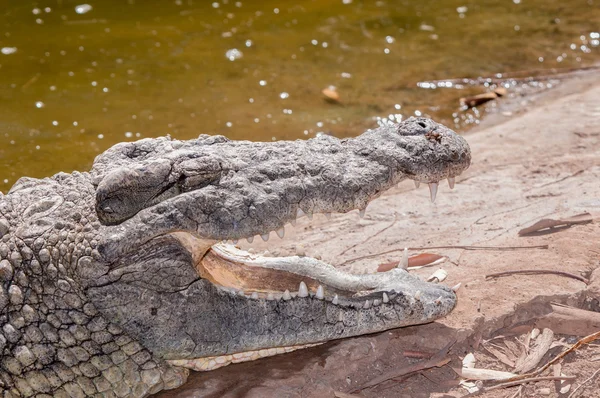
(544, 161)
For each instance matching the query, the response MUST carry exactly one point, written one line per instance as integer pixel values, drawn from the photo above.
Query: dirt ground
(542, 161)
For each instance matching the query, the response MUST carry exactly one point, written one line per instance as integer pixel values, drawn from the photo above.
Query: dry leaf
(477, 100)
(542, 345)
(420, 260)
(331, 93)
(483, 374)
(547, 225)
(501, 356)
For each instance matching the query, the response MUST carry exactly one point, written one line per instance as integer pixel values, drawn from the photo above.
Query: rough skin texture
(96, 293)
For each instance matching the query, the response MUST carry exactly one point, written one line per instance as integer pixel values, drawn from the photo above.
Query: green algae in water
(77, 78)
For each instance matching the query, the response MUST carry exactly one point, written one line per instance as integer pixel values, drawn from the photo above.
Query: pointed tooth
(302, 290)
(281, 232)
(328, 215)
(385, 297)
(341, 317)
(362, 212)
(433, 186)
(309, 215)
(457, 286)
(320, 293)
(254, 295)
(404, 262)
(241, 293)
(293, 222)
(417, 183)
(250, 239)
(367, 304)
(376, 302)
(418, 295)
(451, 181)
(270, 296)
(300, 213)
(235, 241)
(286, 295)
(438, 300)
(265, 237)
(335, 300)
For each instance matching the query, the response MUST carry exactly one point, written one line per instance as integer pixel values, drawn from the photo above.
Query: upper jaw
(246, 189)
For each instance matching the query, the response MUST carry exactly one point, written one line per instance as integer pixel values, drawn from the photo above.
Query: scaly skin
(104, 276)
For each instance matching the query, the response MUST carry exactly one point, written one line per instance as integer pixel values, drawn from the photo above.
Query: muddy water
(77, 78)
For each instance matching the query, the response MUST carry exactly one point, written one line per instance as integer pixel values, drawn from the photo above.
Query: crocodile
(117, 281)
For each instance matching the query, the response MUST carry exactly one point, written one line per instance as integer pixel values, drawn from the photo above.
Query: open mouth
(254, 277)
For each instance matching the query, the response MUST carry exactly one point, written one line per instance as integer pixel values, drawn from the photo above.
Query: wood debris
(549, 225)
(542, 345)
(570, 320)
(476, 100)
(331, 94)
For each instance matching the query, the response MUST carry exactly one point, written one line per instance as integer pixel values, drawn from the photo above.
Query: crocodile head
(168, 205)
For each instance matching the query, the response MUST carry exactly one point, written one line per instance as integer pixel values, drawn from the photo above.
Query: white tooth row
(303, 292)
(211, 363)
(433, 187)
(281, 231)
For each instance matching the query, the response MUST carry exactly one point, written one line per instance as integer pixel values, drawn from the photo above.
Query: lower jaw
(211, 363)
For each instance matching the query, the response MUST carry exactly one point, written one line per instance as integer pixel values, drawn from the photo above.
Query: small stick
(501, 248)
(539, 271)
(519, 382)
(436, 361)
(372, 236)
(584, 382)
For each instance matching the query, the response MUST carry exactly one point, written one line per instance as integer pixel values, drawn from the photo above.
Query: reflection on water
(76, 78)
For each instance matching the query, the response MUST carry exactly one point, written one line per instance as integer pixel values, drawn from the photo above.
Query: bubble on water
(248, 43)
(389, 39)
(39, 104)
(128, 134)
(228, 124)
(55, 123)
(83, 8)
(346, 1)
(8, 50)
(215, 5)
(386, 50)
(36, 11)
(284, 95)
(462, 9)
(346, 75)
(234, 54)
(262, 82)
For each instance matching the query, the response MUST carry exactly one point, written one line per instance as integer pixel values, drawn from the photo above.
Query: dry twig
(518, 382)
(374, 235)
(539, 271)
(584, 382)
(500, 248)
(436, 361)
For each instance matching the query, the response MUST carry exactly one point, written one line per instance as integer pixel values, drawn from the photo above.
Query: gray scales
(113, 280)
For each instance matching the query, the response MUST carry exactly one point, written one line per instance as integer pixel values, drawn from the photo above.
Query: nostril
(422, 124)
